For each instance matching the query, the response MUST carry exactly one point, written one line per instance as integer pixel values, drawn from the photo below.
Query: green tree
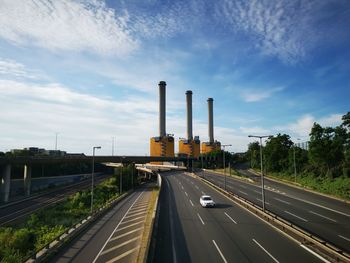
(253, 154)
(276, 153)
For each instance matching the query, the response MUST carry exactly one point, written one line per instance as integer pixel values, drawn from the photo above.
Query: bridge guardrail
(325, 248)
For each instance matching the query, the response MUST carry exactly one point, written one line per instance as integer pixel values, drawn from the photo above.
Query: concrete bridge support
(5, 183)
(27, 179)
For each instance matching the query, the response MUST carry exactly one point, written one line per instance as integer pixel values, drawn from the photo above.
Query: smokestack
(162, 85)
(189, 114)
(210, 120)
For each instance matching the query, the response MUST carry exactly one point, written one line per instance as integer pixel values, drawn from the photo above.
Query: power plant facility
(163, 145)
(190, 146)
(208, 147)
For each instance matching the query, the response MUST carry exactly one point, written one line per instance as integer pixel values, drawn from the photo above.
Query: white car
(206, 201)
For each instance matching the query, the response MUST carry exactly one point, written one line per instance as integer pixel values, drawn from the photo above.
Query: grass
(42, 227)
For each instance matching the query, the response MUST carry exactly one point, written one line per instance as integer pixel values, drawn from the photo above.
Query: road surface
(227, 233)
(324, 217)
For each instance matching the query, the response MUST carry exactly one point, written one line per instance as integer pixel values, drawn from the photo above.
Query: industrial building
(208, 147)
(190, 146)
(162, 145)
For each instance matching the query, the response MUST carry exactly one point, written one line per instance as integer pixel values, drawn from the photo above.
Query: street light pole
(261, 166)
(225, 145)
(295, 166)
(92, 176)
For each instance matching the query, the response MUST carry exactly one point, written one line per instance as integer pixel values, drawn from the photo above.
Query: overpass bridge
(6, 163)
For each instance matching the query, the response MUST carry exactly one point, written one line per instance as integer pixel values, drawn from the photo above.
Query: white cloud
(65, 25)
(284, 29)
(302, 127)
(254, 130)
(254, 95)
(11, 68)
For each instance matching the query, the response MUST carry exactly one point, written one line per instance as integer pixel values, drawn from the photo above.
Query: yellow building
(208, 147)
(162, 146)
(190, 148)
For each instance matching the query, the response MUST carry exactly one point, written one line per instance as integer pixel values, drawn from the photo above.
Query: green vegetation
(20, 241)
(324, 167)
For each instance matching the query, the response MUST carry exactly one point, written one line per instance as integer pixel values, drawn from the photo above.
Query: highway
(227, 233)
(15, 211)
(322, 216)
(116, 237)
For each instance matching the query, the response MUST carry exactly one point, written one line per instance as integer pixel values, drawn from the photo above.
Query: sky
(89, 70)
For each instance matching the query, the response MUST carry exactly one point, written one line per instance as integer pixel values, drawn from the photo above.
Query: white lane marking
(191, 202)
(134, 219)
(256, 191)
(123, 255)
(243, 186)
(132, 211)
(120, 245)
(203, 193)
(126, 234)
(191, 182)
(261, 201)
(186, 194)
(324, 207)
(330, 219)
(139, 207)
(295, 216)
(267, 252)
(281, 201)
(348, 239)
(116, 228)
(182, 187)
(243, 192)
(131, 225)
(197, 187)
(137, 214)
(200, 219)
(218, 249)
(230, 218)
(315, 254)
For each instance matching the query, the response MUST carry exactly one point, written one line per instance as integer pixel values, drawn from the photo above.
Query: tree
(276, 152)
(253, 154)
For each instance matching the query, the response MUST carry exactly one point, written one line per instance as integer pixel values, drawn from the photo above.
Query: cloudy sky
(88, 70)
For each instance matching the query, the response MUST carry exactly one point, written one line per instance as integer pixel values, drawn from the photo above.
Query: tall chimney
(210, 120)
(162, 85)
(189, 114)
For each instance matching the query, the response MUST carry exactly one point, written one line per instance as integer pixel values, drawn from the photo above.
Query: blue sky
(89, 70)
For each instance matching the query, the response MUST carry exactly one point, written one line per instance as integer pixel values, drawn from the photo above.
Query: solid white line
(315, 254)
(186, 194)
(348, 239)
(295, 216)
(230, 218)
(191, 202)
(330, 219)
(120, 245)
(116, 228)
(132, 211)
(123, 255)
(267, 252)
(281, 201)
(218, 249)
(200, 219)
(126, 234)
(243, 192)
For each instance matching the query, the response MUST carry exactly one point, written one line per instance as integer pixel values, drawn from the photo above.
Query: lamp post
(261, 166)
(225, 145)
(295, 166)
(92, 175)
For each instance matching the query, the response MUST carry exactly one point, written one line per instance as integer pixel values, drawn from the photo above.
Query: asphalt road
(227, 233)
(322, 216)
(116, 237)
(14, 212)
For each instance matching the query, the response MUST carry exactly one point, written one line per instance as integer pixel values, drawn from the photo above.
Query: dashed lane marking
(191, 202)
(230, 218)
(267, 252)
(283, 201)
(325, 217)
(200, 219)
(218, 249)
(296, 216)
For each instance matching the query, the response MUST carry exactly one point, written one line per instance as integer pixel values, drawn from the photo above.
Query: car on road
(206, 201)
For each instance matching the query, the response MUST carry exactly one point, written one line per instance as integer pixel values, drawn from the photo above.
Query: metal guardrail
(323, 247)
